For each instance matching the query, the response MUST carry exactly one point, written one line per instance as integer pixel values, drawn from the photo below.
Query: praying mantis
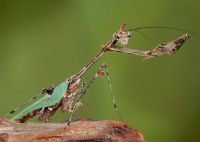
(63, 95)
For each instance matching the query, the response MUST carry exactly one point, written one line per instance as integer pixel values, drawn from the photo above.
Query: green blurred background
(44, 42)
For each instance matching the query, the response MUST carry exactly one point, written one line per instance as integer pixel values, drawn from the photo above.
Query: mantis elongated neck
(92, 62)
(95, 59)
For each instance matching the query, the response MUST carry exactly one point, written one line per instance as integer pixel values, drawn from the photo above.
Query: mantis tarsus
(63, 95)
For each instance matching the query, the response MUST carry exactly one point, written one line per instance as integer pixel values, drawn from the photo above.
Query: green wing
(56, 96)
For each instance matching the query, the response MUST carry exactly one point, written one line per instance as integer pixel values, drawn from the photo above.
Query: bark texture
(78, 131)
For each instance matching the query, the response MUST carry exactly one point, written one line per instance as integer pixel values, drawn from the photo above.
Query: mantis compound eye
(187, 36)
(129, 34)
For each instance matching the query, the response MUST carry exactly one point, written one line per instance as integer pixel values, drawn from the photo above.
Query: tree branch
(78, 131)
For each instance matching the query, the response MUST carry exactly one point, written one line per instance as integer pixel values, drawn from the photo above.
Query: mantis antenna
(162, 27)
